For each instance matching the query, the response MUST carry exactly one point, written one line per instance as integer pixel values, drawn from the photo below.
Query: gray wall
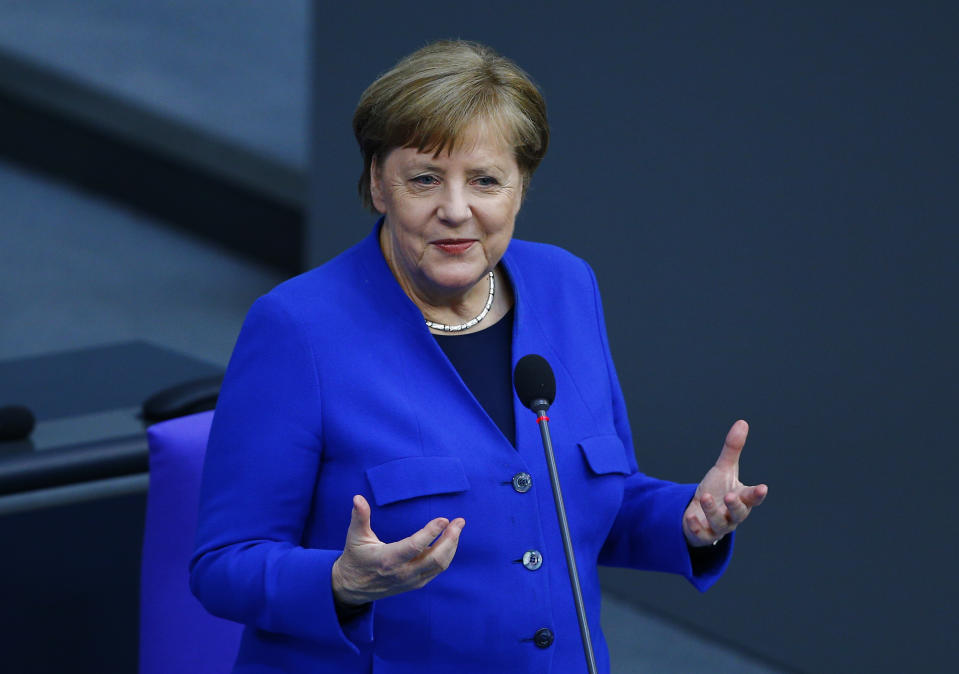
(767, 192)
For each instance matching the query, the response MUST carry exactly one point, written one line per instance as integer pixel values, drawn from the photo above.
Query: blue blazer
(336, 387)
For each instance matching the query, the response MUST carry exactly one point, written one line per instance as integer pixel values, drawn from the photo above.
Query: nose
(454, 207)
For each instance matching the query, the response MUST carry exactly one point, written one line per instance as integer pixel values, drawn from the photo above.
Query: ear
(376, 187)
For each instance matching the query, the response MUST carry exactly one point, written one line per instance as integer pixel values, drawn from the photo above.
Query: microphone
(16, 422)
(535, 383)
(536, 388)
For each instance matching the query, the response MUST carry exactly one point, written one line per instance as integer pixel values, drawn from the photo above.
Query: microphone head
(534, 382)
(16, 422)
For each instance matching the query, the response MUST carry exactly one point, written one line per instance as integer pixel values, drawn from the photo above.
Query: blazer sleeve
(259, 473)
(648, 533)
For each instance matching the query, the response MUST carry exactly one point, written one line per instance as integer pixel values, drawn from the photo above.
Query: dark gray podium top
(87, 404)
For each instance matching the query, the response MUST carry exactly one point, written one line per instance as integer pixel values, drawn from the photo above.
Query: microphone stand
(540, 406)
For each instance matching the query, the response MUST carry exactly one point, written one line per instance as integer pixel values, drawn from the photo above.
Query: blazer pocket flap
(605, 454)
(416, 476)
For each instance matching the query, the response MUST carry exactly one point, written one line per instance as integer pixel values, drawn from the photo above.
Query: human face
(448, 217)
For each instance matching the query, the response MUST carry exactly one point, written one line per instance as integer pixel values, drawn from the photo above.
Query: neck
(451, 307)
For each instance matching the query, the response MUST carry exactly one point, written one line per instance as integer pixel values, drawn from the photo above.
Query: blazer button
(543, 637)
(532, 560)
(522, 482)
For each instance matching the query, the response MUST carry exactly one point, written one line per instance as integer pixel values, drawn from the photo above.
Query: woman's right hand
(370, 569)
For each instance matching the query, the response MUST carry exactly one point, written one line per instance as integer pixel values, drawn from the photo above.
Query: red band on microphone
(542, 418)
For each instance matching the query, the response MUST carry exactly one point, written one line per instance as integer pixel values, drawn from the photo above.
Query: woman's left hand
(721, 501)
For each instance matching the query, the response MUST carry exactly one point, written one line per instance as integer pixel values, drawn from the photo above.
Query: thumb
(360, 520)
(733, 446)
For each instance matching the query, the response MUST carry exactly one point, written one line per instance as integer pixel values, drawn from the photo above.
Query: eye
(425, 180)
(486, 181)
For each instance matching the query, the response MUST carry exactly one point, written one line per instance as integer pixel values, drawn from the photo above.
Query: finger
(414, 545)
(753, 496)
(733, 445)
(442, 551)
(697, 525)
(360, 519)
(716, 514)
(738, 510)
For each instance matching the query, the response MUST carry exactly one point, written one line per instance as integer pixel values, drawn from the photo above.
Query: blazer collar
(528, 333)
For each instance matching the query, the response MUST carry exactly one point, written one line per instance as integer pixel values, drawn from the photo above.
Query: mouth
(454, 246)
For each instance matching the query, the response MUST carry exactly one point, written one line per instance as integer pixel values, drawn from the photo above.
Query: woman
(371, 398)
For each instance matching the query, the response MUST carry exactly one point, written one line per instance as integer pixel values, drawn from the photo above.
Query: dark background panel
(767, 194)
(85, 381)
(72, 587)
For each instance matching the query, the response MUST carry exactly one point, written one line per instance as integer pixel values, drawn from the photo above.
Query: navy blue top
(483, 361)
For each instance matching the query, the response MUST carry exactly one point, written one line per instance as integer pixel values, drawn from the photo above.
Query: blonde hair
(430, 98)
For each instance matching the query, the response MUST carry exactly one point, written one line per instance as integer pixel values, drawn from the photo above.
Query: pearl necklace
(473, 321)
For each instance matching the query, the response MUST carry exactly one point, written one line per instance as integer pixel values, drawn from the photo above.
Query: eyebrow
(417, 166)
(481, 170)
